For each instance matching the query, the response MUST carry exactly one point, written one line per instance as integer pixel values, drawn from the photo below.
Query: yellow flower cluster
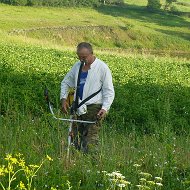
(15, 165)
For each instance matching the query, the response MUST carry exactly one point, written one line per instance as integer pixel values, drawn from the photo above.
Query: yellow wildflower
(49, 158)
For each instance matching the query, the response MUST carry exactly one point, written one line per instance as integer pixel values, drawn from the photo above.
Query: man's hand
(101, 114)
(64, 106)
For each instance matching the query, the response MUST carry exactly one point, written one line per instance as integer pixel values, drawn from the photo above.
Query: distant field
(123, 28)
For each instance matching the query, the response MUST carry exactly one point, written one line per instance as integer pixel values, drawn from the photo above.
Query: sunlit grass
(147, 129)
(127, 28)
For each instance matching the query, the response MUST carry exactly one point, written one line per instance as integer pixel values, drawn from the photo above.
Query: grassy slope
(132, 27)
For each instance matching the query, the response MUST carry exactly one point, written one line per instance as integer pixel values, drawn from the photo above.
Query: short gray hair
(85, 45)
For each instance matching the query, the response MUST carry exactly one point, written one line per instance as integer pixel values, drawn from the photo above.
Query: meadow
(122, 28)
(145, 139)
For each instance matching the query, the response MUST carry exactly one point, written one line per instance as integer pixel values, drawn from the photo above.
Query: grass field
(146, 135)
(131, 28)
(180, 5)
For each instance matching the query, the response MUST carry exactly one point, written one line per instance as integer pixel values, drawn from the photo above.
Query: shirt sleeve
(67, 82)
(108, 92)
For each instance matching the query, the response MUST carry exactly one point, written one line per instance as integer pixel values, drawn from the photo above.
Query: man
(94, 81)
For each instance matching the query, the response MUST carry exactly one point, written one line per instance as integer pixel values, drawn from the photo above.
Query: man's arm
(107, 92)
(67, 82)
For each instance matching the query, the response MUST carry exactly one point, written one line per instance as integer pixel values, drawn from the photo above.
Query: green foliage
(170, 1)
(115, 2)
(71, 3)
(13, 167)
(125, 159)
(56, 3)
(14, 2)
(20, 175)
(154, 5)
(169, 4)
(153, 89)
(146, 132)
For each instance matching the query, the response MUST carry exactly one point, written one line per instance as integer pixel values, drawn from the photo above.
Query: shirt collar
(94, 63)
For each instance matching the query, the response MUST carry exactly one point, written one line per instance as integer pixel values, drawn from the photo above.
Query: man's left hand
(101, 114)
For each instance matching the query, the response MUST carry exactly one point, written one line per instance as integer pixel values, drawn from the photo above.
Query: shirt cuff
(104, 108)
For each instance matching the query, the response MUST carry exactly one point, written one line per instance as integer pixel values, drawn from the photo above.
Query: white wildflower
(142, 179)
(151, 182)
(145, 174)
(139, 185)
(136, 165)
(121, 185)
(159, 184)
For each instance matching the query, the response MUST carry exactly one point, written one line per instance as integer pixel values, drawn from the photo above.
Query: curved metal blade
(69, 120)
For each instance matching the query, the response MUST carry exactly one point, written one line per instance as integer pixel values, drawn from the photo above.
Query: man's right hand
(64, 106)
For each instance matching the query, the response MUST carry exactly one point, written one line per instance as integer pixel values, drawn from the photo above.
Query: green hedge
(15, 2)
(56, 3)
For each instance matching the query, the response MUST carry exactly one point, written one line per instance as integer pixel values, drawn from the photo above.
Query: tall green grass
(147, 129)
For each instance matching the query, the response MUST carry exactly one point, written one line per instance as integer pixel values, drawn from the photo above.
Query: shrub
(115, 2)
(14, 2)
(154, 5)
(53, 3)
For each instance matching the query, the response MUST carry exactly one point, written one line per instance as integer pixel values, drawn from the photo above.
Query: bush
(87, 3)
(54, 3)
(14, 2)
(115, 2)
(154, 5)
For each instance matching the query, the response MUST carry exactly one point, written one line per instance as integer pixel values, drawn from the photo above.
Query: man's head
(85, 52)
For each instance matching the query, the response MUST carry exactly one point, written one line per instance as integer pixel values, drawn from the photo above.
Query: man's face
(85, 55)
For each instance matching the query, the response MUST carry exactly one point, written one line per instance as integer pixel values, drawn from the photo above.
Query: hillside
(128, 28)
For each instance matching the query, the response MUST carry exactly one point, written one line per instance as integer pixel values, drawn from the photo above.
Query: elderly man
(93, 85)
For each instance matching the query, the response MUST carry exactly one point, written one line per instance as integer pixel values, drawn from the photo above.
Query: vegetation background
(145, 138)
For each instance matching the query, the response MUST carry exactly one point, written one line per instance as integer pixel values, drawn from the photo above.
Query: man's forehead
(83, 51)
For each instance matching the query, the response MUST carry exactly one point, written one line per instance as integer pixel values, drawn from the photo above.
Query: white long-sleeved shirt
(99, 75)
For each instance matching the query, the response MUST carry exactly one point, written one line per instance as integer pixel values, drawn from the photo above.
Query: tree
(14, 2)
(154, 5)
